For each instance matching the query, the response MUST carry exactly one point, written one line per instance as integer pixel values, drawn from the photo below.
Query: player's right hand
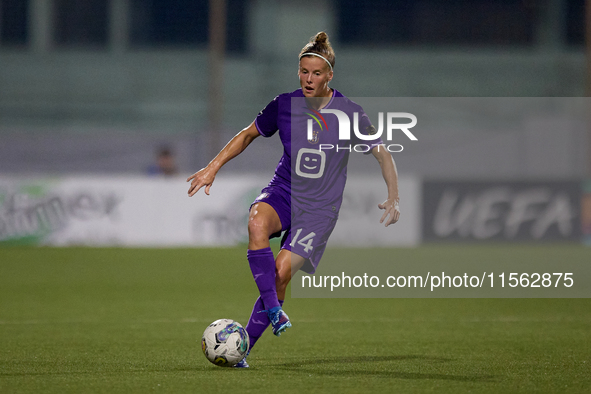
(203, 177)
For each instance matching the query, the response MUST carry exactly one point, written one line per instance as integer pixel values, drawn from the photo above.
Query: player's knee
(258, 228)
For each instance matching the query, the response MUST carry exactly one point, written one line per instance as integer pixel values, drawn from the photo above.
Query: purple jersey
(313, 168)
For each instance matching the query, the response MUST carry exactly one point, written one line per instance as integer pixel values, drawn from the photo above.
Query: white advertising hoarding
(156, 212)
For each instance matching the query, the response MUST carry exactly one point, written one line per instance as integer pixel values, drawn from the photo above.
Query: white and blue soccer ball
(225, 342)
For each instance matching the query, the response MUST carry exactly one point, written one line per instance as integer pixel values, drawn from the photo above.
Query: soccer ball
(225, 342)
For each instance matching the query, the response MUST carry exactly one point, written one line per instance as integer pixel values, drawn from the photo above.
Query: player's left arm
(390, 174)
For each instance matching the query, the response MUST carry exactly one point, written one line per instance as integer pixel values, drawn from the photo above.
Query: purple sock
(262, 266)
(258, 322)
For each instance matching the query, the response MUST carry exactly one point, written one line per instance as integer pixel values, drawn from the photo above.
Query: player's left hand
(392, 212)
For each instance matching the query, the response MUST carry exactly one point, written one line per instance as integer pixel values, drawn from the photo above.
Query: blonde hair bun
(320, 45)
(320, 38)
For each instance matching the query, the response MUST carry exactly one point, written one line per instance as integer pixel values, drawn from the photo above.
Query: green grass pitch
(130, 320)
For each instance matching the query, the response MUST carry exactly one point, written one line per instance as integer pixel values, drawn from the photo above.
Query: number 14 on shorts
(306, 242)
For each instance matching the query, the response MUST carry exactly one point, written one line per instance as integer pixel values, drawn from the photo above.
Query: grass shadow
(356, 366)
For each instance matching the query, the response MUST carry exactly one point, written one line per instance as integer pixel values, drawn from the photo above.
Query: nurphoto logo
(370, 135)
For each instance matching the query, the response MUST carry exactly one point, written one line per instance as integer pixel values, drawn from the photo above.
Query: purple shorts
(306, 234)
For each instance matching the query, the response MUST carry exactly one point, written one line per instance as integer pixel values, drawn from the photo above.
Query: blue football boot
(279, 320)
(242, 363)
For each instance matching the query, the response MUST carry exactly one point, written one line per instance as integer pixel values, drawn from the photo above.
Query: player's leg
(258, 322)
(283, 265)
(287, 265)
(263, 222)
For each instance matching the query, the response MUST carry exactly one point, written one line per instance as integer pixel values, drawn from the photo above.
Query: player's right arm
(206, 176)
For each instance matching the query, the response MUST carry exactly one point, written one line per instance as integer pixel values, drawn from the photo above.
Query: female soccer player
(303, 202)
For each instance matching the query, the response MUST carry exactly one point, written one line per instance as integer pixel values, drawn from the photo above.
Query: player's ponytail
(319, 46)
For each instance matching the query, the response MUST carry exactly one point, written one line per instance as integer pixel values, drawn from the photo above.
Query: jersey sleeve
(266, 120)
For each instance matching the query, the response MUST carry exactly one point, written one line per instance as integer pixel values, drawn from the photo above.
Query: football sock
(258, 322)
(262, 266)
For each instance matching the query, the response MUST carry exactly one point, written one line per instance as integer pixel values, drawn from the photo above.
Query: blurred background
(156, 87)
(99, 85)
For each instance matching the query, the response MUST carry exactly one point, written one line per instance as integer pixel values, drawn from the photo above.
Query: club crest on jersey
(315, 137)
